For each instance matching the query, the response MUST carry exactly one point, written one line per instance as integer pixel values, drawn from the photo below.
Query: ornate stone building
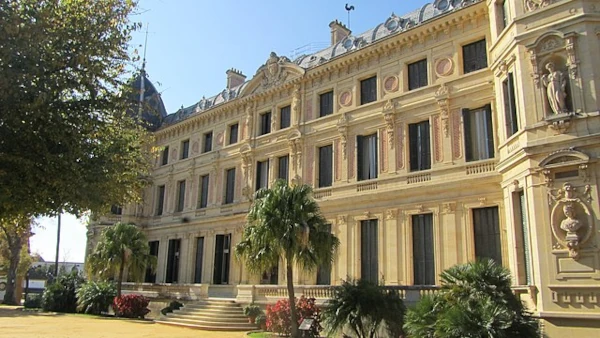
(465, 129)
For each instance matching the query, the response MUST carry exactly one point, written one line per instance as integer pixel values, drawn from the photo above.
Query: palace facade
(463, 130)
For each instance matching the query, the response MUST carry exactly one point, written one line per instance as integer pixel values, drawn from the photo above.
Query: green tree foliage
(285, 222)
(14, 258)
(362, 307)
(61, 296)
(95, 297)
(475, 301)
(67, 141)
(121, 248)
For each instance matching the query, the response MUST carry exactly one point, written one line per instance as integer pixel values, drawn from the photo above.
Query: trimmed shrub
(173, 305)
(33, 302)
(61, 296)
(95, 297)
(279, 316)
(131, 306)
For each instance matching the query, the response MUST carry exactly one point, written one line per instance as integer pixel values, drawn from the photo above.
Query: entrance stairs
(210, 315)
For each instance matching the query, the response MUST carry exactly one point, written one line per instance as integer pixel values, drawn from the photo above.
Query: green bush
(173, 305)
(95, 297)
(61, 296)
(252, 310)
(33, 302)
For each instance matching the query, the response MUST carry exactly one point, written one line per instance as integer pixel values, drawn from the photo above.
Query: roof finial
(349, 8)
(145, 45)
(143, 76)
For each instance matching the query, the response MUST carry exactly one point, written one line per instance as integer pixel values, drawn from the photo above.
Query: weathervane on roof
(349, 8)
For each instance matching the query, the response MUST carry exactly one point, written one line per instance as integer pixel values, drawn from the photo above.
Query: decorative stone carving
(449, 207)
(571, 218)
(391, 214)
(345, 98)
(532, 5)
(296, 105)
(572, 60)
(248, 122)
(555, 83)
(534, 65)
(443, 101)
(389, 111)
(273, 73)
(391, 84)
(342, 127)
(444, 67)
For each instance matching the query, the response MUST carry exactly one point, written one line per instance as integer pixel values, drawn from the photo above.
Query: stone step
(210, 313)
(213, 309)
(214, 305)
(239, 319)
(250, 327)
(209, 323)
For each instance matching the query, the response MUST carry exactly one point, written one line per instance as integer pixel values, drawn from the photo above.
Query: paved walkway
(15, 323)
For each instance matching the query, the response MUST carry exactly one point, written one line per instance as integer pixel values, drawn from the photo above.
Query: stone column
(392, 247)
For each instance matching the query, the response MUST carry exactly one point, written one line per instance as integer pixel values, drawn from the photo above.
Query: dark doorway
(222, 247)
(173, 261)
(199, 258)
(369, 265)
(151, 276)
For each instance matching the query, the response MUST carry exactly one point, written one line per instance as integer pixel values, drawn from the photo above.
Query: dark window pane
(479, 136)
(221, 265)
(161, 200)
(417, 74)
(165, 156)
(262, 174)
(423, 250)
(523, 249)
(486, 229)
(284, 118)
(151, 276)
(419, 144)
(474, 56)
(199, 258)
(325, 166)
(510, 106)
(369, 265)
(324, 271)
(367, 157)
(229, 186)
(203, 201)
(180, 196)
(326, 104)
(368, 90)
(116, 210)
(283, 169)
(265, 123)
(173, 261)
(208, 142)
(185, 149)
(233, 133)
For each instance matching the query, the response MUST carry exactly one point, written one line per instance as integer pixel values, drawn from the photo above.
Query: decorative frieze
(456, 135)
(400, 147)
(389, 115)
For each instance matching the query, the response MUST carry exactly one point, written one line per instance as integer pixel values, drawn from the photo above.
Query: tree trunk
(120, 278)
(14, 247)
(292, 297)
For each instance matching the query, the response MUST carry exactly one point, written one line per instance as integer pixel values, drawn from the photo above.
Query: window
(368, 90)
(479, 138)
(486, 231)
(369, 269)
(284, 117)
(199, 259)
(116, 210)
(180, 196)
(185, 149)
(326, 104)
(222, 259)
(165, 156)
(173, 261)
(417, 74)
(503, 12)
(203, 197)
(423, 250)
(262, 174)
(325, 166)
(161, 200)
(510, 106)
(324, 271)
(229, 186)
(151, 275)
(265, 123)
(474, 56)
(419, 144)
(522, 238)
(208, 137)
(283, 168)
(366, 157)
(233, 133)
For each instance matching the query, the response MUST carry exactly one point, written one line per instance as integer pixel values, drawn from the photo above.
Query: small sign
(306, 324)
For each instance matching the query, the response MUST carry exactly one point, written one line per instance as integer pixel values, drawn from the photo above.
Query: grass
(259, 335)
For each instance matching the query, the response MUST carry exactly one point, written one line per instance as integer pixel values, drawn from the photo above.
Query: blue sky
(192, 43)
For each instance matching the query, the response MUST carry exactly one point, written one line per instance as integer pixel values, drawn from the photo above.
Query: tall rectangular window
(222, 259)
(284, 117)
(326, 104)
(523, 249)
(324, 271)
(233, 133)
(208, 140)
(503, 15)
(150, 275)
(417, 74)
(265, 123)
(185, 149)
(419, 144)
(180, 196)
(325, 166)
(173, 261)
(510, 105)
(474, 56)
(116, 209)
(368, 90)
(229, 186)
(423, 250)
(283, 168)
(262, 174)
(486, 229)
(161, 200)
(366, 157)
(369, 265)
(199, 259)
(165, 156)
(479, 136)
(203, 197)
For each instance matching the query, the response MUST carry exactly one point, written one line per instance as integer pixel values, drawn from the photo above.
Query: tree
(14, 234)
(285, 222)
(121, 248)
(475, 300)
(363, 306)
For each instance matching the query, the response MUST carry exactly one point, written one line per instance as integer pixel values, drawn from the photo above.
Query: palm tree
(475, 301)
(122, 247)
(285, 222)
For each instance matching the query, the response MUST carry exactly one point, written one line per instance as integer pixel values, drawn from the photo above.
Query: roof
(153, 109)
(392, 25)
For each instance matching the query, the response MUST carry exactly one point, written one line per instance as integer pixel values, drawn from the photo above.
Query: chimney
(338, 32)
(234, 78)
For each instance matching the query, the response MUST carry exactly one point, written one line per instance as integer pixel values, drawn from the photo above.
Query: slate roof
(392, 25)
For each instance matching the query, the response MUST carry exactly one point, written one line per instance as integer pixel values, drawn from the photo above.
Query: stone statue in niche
(571, 218)
(556, 84)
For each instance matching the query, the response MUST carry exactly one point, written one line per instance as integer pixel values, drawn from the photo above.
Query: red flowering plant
(279, 316)
(131, 306)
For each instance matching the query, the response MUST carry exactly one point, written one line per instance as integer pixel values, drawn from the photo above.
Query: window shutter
(425, 146)
(508, 123)
(466, 113)
(513, 103)
(413, 133)
(489, 130)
